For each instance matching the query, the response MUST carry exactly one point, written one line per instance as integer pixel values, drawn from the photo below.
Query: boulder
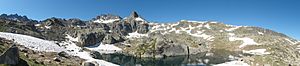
(108, 39)
(90, 64)
(63, 54)
(95, 54)
(90, 39)
(10, 56)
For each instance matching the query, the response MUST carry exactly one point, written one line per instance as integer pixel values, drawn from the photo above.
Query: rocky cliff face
(113, 29)
(140, 38)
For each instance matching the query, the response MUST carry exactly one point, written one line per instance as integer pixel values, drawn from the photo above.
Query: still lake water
(192, 60)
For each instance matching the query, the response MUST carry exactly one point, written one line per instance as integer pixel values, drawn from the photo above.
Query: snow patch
(37, 25)
(72, 38)
(139, 19)
(246, 41)
(50, 46)
(233, 28)
(73, 49)
(32, 42)
(293, 42)
(106, 21)
(168, 28)
(85, 55)
(207, 26)
(136, 35)
(233, 57)
(193, 21)
(233, 63)
(105, 48)
(257, 52)
(231, 34)
(209, 54)
(206, 60)
(213, 22)
(48, 27)
(204, 36)
(221, 31)
(261, 33)
(158, 27)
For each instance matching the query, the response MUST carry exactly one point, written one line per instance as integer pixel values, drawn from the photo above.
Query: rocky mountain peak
(16, 17)
(54, 21)
(134, 14)
(13, 16)
(106, 18)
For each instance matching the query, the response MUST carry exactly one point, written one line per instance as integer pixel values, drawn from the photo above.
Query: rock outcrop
(111, 32)
(90, 39)
(10, 56)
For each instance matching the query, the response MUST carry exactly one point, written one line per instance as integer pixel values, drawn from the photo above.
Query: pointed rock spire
(134, 14)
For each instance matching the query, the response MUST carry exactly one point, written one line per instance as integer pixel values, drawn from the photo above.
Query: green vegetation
(30, 62)
(2, 29)
(147, 47)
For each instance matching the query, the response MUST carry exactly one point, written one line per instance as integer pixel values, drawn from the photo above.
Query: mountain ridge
(139, 38)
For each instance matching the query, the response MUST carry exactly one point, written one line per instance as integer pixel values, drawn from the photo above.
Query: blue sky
(280, 15)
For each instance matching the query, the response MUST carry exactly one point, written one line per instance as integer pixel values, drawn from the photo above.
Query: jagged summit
(110, 18)
(106, 18)
(16, 17)
(13, 16)
(134, 17)
(134, 14)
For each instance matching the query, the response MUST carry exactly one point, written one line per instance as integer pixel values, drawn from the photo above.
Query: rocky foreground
(134, 36)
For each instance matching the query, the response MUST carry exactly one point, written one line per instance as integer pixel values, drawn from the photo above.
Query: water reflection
(192, 60)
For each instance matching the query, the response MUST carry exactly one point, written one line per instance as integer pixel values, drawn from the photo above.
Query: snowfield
(233, 28)
(168, 28)
(72, 38)
(50, 46)
(231, 34)
(233, 63)
(289, 40)
(260, 33)
(207, 26)
(257, 52)
(78, 51)
(136, 35)
(75, 50)
(105, 48)
(139, 19)
(106, 21)
(32, 42)
(48, 27)
(246, 41)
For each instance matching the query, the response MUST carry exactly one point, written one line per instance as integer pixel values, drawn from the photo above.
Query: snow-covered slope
(50, 46)
(105, 21)
(136, 35)
(78, 51)
(233, 63)
(75, 50)
(257, 52)
(177, 28)
(246, 41)
(32, 42)
(105, 48)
